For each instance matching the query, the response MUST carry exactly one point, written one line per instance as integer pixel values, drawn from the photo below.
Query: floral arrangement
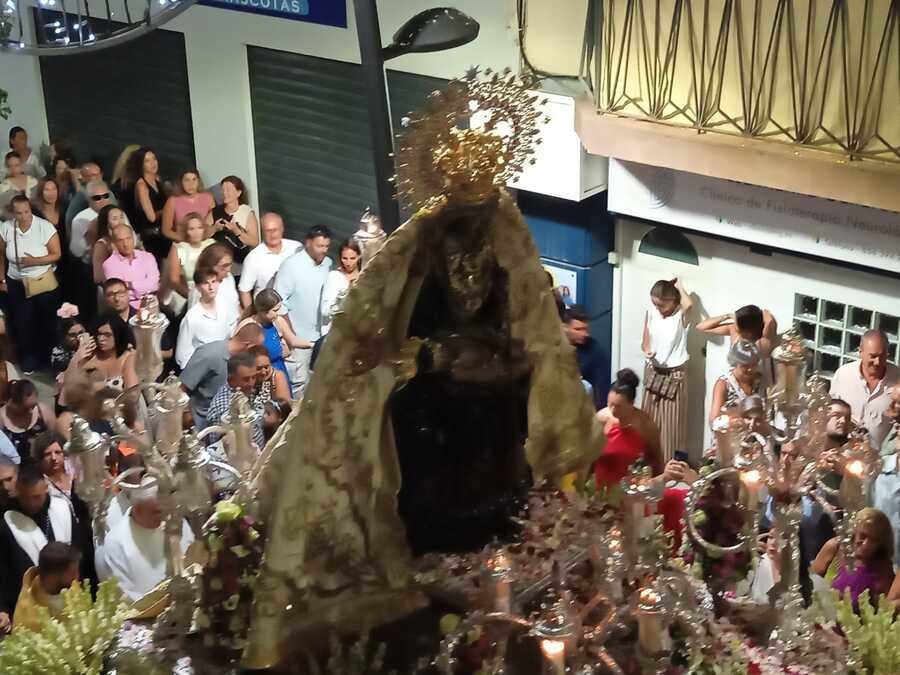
(873, 634)
(74, 644)
(235, 552)
(719, 519)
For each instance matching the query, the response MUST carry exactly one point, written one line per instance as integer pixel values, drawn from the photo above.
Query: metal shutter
(311, 133)
(133, 93)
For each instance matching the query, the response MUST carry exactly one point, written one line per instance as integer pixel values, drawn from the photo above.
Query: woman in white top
(234, 222)
(338, 282)
(664, 344)
(31, 247)
(16, 179)
(183, 257)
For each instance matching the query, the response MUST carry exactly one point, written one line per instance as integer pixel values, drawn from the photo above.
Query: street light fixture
(433, 30)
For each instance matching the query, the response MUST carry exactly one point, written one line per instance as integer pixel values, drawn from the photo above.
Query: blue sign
(325, 12)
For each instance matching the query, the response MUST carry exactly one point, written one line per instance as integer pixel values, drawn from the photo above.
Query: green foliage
(873, 634)
(361, 658)
(5, 110)
(72, 645)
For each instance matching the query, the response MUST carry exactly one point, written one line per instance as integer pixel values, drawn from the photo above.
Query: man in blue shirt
(299, 282)
(592, 362)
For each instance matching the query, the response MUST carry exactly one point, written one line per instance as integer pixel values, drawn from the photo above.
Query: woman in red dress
(631, 434)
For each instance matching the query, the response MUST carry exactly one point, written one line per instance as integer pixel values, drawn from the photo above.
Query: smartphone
(680, 456)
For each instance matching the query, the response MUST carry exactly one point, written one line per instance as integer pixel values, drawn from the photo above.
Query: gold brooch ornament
(468, 140)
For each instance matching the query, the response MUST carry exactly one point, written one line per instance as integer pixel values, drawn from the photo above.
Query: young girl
(873, 547)
(205, 322)
(183, 257)
(664, 345)
(278, 337)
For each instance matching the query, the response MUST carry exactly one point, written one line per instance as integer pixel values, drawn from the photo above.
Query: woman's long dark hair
(103, 220)
(122, 334)
(135, 167)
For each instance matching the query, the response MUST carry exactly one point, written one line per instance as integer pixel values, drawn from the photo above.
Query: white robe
(135, 556)
(29, 536)
(116, 511)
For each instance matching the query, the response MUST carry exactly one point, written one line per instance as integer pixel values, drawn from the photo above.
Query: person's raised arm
(687, 304)
(717, 325)
(769, 338)
(645, 340)
(168, 220)
(825, 557)
(718, 400)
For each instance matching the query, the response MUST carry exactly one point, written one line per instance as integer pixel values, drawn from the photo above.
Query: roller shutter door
(312, 140)
(136, 92)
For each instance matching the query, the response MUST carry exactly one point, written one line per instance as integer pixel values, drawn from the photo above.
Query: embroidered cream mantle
(336, 553)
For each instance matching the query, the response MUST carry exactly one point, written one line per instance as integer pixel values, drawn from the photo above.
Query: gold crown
(468, 140)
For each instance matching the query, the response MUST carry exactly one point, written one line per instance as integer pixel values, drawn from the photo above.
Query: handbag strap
(15, 228)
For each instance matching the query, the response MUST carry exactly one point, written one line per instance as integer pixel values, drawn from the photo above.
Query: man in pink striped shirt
(136, 268)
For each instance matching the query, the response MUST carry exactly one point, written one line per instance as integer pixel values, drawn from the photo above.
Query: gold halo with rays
(468, 140)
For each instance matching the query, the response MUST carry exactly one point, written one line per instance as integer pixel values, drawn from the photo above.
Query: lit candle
(554, 656)
(650, 622)
(752, 481)
(497, 584)
(851, 491)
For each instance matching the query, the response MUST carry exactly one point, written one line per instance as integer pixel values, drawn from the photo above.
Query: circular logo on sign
(658, 183)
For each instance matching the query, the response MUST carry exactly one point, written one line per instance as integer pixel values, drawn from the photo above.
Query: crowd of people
(247, 308)
(864, 407)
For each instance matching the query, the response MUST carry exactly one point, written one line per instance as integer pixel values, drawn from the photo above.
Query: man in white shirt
(134, 550)
(866, 385)
(263, 262)
(99, 195)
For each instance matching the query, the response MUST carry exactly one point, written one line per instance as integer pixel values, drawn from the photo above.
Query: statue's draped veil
(336, 554)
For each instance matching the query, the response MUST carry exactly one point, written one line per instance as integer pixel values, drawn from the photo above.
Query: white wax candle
(554, 656)
(503, 596)
(650, 622)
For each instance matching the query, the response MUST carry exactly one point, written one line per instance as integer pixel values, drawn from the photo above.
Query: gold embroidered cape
(336, 554)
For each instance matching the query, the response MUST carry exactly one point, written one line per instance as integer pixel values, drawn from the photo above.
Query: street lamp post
(429, 31)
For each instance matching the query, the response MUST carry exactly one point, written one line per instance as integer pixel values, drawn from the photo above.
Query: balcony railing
(819, 73)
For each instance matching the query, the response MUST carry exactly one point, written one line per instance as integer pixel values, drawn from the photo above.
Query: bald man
(90, 171)
(866, 385)
(262, 262)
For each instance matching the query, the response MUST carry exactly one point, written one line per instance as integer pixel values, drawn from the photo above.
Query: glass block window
(833, 331)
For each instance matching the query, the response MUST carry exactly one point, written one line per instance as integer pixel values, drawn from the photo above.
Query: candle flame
(856, 468)
(552, 648)
(751, 476)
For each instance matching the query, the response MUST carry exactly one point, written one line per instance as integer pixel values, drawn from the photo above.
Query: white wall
(20, 76)
(728, 276)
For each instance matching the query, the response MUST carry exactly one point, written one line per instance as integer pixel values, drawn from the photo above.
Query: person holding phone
(233, 222)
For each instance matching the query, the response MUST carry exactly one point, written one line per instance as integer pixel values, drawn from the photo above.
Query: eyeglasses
(76, 334)
(97, 198)
(104, 334)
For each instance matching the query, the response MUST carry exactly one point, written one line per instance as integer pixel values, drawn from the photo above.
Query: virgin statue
(445, 389)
